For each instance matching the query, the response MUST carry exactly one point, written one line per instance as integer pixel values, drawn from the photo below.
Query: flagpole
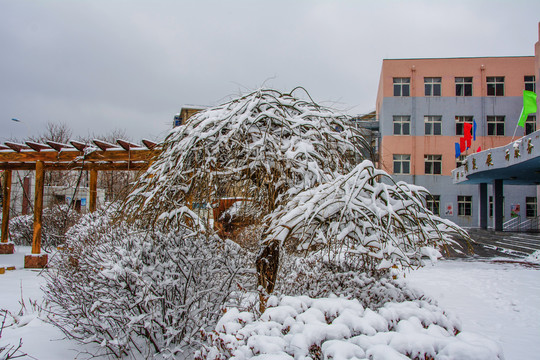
(517, 124)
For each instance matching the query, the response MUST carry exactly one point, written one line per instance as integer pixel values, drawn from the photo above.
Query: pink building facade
(422, 106)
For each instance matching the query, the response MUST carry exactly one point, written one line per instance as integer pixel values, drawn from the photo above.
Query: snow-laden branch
(363, 217)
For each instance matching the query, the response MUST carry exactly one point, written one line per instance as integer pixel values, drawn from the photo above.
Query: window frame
(463, 84)
(529, 82)
(402, 83)
(464, 205)
(401, 159)
(433, 164)
(433, 204)
(460, 121)
(401, 120)
(530, 124)
(432, 85)
(531, 207)
(494, 125)
(432, 121)
(495, 85)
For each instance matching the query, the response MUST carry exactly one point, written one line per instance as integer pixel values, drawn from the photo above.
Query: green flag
(529, 106)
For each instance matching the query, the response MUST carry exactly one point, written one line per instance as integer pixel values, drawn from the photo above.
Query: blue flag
(474, 130)
(458, 150)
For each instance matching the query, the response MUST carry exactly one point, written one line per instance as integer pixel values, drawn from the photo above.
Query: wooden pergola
(53, 156)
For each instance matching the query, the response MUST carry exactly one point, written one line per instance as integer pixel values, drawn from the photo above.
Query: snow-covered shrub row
(140, 293)
(265, 146)
(364, 219)
(317, 278)
(55, 222)
(337, 328)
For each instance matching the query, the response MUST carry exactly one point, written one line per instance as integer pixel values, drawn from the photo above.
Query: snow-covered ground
(496, 299)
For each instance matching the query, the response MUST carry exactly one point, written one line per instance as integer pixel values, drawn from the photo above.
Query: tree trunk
(267, 267)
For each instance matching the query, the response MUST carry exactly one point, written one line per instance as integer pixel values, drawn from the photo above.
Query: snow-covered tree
(265, 146)
(296, 162)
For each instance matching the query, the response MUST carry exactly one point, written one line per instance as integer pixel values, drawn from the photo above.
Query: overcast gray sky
(101, 65)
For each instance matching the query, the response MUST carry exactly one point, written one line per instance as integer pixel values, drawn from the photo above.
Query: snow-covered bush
(56, 220)
(362, 219)
(140, 293)
(317, 278)
(337, 328)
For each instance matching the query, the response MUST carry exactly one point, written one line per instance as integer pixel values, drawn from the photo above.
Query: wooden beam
(15, 146)
(126, 145)
(104, 145)
(38, 208)
(6, 196)
(149, 144)
(58, 146)
(93, 190)
(78, 145)
(37, 146)
(118, 166)
(77, 156)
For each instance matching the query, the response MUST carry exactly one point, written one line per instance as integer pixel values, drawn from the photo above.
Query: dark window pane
(437, 90)
(397, 128)
(406, 130)
(468, 90)
(437, 169)
(405, 90)
(397, 89)
(437, 130)
(406, 167)
(459, 90)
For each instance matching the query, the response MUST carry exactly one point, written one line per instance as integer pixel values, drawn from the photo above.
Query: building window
(402, 164)
(495, 85)
(460, 161)
(464, 204)
(433, 164)
(495, 125)
(460, 120)
(433, 204)
(432, 125)
(402, 125)
(402, 86)
(463, 86)
(530, 124)
(530, 206)
(530, 83)
(432, 86)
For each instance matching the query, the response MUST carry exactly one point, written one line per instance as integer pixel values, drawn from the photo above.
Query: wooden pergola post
(5, 246)
(93, 190)
(36, 259)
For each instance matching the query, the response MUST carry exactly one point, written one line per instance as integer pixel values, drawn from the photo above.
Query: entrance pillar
(483, 208)
(498, 210)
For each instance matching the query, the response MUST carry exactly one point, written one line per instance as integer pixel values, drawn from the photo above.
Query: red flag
(479, 149)
(467, 127)
(468, 141)
(462, 144)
